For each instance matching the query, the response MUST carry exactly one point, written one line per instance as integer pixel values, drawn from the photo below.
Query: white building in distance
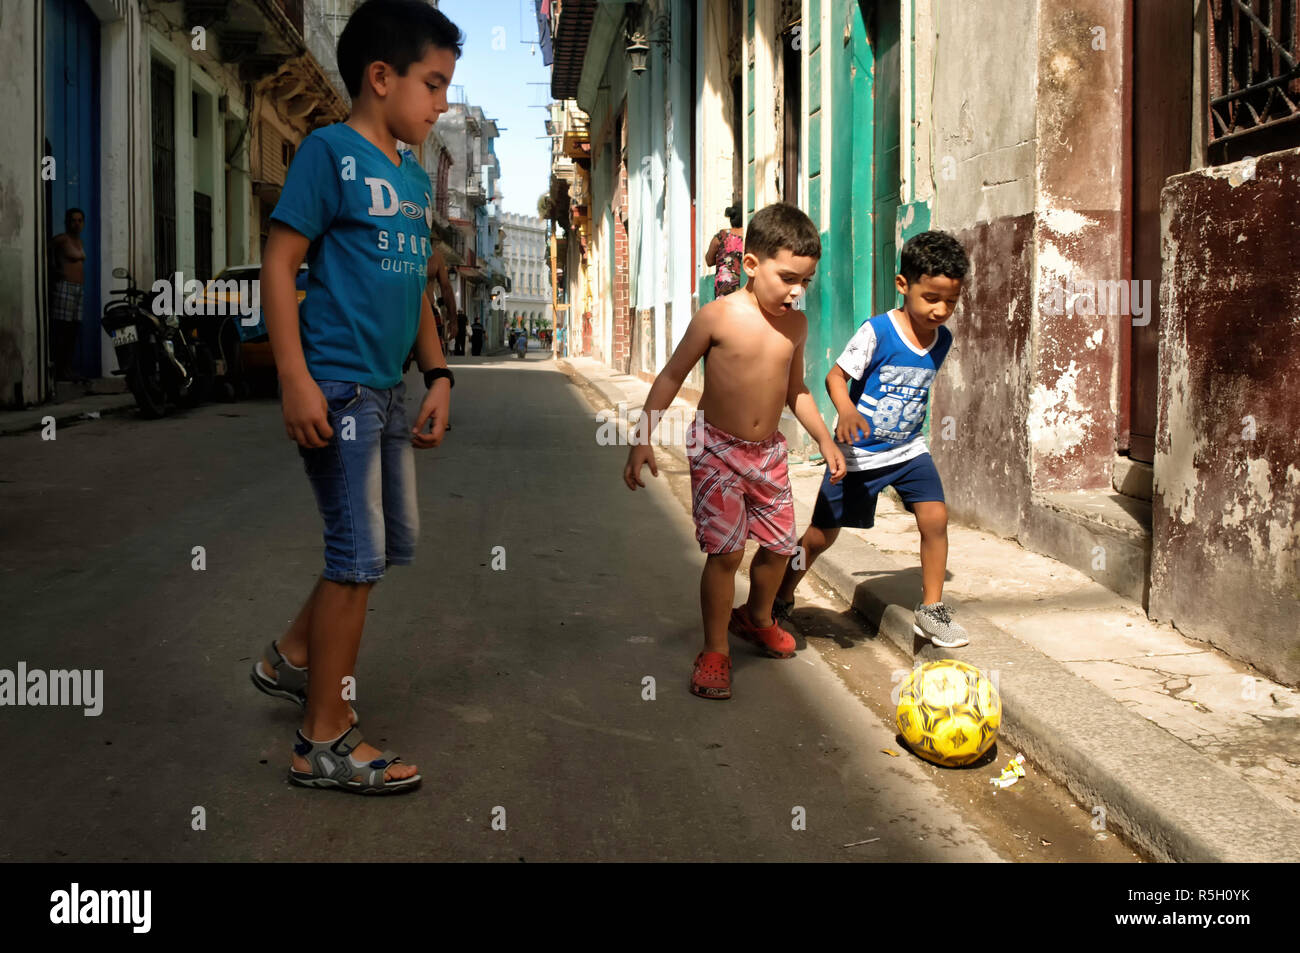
(528, 265)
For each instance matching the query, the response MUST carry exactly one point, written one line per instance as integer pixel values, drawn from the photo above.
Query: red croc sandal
(773, 640)
(712, 675)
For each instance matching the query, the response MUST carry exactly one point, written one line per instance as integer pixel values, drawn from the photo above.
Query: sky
(495, 70)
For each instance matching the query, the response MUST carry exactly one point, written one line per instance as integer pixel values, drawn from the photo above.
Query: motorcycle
(160, 355)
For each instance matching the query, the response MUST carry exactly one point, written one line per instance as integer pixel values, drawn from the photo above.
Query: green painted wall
(830, 307)
(862, 168)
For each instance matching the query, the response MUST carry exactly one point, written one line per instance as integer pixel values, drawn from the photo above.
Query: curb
(1166, 798)
(1163, 796)
(25, 421)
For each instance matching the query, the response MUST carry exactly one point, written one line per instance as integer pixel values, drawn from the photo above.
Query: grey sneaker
(781, 609)
(934, 622)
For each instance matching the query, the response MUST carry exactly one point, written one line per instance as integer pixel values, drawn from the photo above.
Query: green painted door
(883, 34)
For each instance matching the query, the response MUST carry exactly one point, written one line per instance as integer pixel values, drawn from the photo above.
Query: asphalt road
(519, 689)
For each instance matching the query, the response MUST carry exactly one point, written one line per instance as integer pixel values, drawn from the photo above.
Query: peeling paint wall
(976, 112)
(1027, 174)
(978, 435)
(1072, 406)
(1226, 505)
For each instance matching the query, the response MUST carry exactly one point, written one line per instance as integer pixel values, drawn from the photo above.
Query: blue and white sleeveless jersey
(889, 381)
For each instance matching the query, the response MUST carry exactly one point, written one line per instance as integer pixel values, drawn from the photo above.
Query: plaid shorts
(65, 302)
(741, 490)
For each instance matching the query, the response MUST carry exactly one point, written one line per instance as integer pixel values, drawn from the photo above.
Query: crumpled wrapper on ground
(1013, 772)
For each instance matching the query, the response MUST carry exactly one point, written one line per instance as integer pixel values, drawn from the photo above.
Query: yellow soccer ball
(949, 712)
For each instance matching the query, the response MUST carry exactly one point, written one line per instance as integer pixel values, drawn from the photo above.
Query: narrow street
(519, 689)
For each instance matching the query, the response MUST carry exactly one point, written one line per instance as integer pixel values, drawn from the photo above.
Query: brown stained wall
(984, 385)
(1226, 506)
(1072, 405)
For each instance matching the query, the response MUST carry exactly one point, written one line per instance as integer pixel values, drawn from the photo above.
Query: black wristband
(437, 372)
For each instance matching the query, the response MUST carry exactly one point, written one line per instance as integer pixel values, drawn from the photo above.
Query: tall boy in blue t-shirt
(880, 385)
(360, 213)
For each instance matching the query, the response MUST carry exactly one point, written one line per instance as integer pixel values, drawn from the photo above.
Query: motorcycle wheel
(144, 378)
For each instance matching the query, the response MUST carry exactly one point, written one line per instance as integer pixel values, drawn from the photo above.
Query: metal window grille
(1254, 86)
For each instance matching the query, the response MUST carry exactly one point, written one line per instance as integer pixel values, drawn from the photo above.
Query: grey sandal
(334, 767)
(290, 681)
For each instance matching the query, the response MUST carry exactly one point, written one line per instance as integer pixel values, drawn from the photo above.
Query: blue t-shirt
(369, 225)
(890, 386)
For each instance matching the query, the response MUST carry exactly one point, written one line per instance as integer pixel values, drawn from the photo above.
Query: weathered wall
(19, 212)
(978, 433)
(1026, 173)
(1074, 400)
(1226, 505)
(982, 135)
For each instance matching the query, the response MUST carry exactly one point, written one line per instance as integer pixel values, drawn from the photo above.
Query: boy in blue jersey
(360, 212)
(880, 385)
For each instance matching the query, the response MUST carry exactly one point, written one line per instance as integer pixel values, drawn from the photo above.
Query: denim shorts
(364, 480)
(853, 501)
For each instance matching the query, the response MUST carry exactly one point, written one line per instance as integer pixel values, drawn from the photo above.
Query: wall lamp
(649, 30)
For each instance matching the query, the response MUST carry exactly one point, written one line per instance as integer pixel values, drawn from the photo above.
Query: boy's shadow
(846, 629)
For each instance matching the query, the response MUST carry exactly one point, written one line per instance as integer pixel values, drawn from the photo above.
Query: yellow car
(245, 352)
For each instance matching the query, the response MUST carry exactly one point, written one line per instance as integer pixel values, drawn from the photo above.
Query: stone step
(1103, 534)
(1132, 478)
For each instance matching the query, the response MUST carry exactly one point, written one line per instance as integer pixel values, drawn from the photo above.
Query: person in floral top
(725, 252)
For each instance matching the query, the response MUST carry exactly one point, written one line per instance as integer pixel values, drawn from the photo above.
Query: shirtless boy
(752, 342)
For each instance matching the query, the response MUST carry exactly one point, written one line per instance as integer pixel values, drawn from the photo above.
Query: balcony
(571, 28)
(576, 143)
(258, 35)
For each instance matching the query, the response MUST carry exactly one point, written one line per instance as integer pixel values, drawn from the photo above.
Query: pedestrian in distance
(726, 251)
(67, 274)
(349, 205)
(476, 333)
(880, 385)
(462, 328)
(441, 295)
(752, 343)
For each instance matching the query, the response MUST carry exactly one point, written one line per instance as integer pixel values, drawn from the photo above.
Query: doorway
(882, 23)
(72, 140)
(1160, 135)
(791, 112)
(163, 141)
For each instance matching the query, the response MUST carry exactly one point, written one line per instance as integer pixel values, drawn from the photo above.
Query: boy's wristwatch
(437, 372)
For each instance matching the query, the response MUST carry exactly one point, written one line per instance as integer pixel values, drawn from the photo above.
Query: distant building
(528, 265)
(473, 207)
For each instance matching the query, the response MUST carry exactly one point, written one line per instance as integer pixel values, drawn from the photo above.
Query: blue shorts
(853, 501)
(364, 480)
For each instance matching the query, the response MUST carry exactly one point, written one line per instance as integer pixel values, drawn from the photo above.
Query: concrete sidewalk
(1191, 755)
(102, 396)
